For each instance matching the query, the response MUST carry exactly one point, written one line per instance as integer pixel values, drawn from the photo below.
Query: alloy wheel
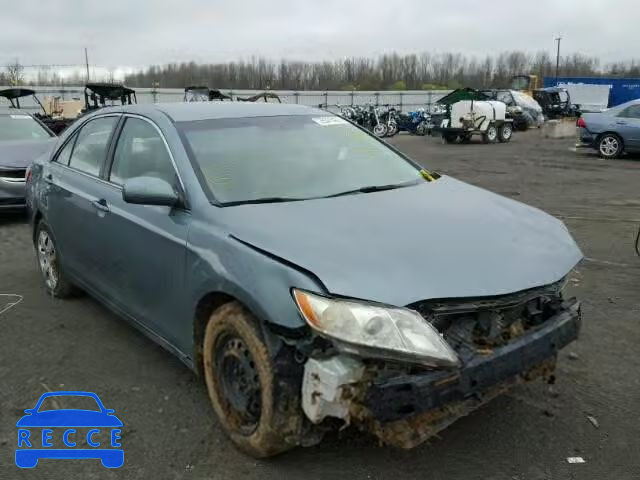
(47, 260)
(609, 146)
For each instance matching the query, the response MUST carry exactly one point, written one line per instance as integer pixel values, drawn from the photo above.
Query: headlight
(385, 332)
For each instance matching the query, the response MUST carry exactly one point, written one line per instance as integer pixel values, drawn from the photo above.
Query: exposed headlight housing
(377, 331)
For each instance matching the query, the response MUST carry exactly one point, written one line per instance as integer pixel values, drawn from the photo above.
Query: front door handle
(101, 205)
(621, 122)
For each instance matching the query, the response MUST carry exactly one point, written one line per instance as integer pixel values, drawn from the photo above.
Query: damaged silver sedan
(313, 275)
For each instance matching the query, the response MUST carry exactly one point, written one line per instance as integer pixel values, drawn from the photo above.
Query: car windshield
(20, 127)
(290, 158)
(77, 402)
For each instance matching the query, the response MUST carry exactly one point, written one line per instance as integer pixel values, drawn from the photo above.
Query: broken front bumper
(398, 397)
(406, 409)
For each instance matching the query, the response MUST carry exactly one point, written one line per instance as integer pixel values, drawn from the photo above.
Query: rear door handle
(101, 205)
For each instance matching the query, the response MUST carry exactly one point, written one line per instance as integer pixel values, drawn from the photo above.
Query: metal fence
(331, 99)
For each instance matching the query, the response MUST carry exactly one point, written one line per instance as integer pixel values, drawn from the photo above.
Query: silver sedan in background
(613, 131)
(22, 140)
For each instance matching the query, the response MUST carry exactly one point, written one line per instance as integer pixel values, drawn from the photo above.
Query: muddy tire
(245, 391)
(49, 263)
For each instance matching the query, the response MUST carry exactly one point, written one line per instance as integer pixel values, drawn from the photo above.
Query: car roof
(189, 111)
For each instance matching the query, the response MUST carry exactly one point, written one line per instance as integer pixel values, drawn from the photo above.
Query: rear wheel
(465, 138)
(491, 135)
(244, 390)
(505, 132)
(49, 262)
(449, 137)
(610, 146)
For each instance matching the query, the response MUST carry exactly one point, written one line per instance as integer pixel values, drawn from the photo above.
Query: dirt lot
(170, 430)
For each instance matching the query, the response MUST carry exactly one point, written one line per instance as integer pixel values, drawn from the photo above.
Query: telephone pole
(86, 61)
(558, 39)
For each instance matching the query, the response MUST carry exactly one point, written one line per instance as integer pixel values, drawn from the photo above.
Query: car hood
(20, 154)
(69, 418)
(441, 239)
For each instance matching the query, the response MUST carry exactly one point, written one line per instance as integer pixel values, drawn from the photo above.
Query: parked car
(312, 274)
(22, 139)
(613, 131)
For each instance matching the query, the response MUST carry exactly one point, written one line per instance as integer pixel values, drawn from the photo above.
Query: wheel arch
(35, 220)
(207, 304)
(610, 132)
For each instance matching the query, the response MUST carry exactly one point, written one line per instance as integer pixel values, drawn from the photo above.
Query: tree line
(388, 72)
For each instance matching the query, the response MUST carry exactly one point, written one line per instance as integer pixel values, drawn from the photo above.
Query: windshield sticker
(326, 121)
(20, 117)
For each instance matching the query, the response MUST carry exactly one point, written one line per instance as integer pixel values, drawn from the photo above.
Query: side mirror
(149, 191)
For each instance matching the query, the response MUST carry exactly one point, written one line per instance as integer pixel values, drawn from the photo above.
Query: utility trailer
(468, 112)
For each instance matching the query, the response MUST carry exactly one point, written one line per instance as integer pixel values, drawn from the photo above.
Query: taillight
(581, 123)
(27, 174)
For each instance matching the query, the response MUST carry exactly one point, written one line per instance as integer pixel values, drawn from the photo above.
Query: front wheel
(491, 135)
(392, 129)
(505, 132)
(610, 146)
(380, 130)
(248, 398)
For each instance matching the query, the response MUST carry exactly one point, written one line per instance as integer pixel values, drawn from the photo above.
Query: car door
(144, 245)
(627, 124)
(71, 197)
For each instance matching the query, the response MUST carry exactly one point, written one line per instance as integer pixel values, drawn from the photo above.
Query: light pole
(558, 39)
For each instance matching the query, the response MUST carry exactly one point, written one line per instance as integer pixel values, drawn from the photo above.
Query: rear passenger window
(141, 152)
(91, 145)
(630, 112)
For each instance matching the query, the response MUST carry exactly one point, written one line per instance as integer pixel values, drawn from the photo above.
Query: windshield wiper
(263, 200)
(376, 188)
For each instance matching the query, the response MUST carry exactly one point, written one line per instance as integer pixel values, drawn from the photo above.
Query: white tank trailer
(477, 117)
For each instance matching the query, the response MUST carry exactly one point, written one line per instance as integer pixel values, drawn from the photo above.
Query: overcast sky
(137, 33)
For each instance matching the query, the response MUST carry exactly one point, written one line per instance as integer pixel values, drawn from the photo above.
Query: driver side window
(141, 152)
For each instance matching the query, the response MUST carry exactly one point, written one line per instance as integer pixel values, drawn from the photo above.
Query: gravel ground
(170, 430)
